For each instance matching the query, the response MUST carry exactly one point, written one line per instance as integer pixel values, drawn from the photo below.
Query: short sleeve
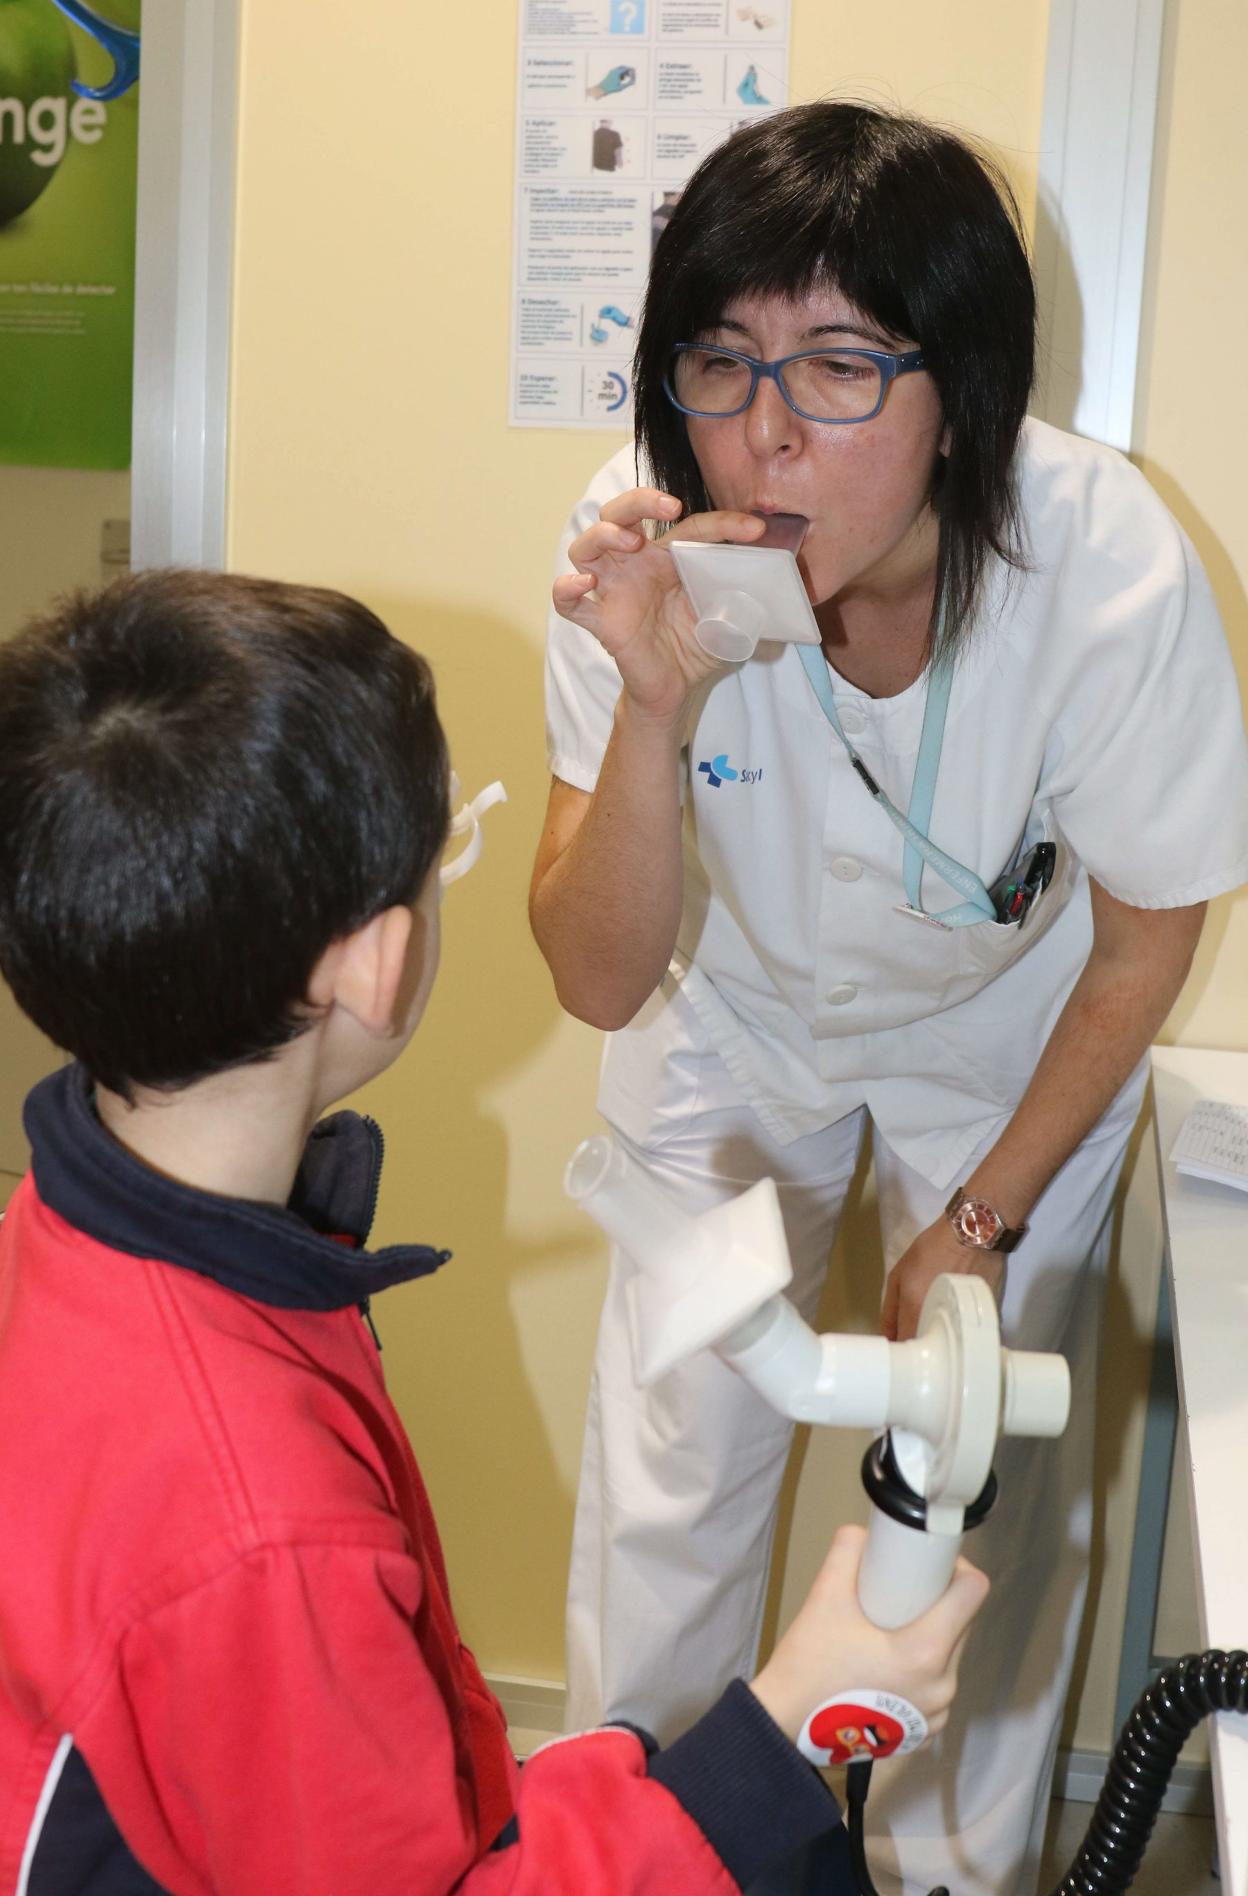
(582, 682)
(1149, 775)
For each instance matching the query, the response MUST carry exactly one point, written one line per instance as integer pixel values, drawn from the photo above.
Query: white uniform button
(842, 996)
(852, 721)
(845, 869)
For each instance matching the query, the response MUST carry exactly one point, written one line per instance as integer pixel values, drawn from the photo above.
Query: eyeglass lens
(835, 385)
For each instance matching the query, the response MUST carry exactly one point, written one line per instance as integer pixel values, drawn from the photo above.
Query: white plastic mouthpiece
(628, 1205)
(696, 1279)
(785, 530)
(732, 631)
(742, 594)
(467, 822)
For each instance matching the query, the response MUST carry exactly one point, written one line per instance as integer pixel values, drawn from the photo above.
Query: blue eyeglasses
(833, 385)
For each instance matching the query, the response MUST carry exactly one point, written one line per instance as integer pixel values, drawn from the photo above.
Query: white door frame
(185, 244)
(1100, 109)
(1102, 76)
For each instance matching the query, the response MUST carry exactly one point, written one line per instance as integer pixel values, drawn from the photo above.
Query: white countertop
(1207, 1257)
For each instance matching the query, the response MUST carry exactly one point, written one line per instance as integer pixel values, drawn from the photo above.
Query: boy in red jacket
(228, 1660)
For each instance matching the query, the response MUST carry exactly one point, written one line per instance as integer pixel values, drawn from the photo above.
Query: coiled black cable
(1139, 1770)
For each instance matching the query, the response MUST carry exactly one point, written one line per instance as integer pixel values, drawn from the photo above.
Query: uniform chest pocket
(987, 948)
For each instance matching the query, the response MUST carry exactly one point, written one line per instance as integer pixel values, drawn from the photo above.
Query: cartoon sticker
(861, 1724)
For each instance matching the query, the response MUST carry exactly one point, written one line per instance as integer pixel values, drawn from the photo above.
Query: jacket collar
(298, 1258)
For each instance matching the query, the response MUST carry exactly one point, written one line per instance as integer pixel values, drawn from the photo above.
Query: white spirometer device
(715, 1280)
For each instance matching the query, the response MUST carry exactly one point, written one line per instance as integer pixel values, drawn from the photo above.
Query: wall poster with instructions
(68, 156)
(618, 103)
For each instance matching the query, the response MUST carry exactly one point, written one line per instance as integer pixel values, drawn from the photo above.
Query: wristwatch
(978, 1226)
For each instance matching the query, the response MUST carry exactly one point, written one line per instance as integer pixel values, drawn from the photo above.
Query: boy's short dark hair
(919, 231)
(205, 780)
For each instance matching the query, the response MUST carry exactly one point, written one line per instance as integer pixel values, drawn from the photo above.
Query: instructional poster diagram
(619, 101)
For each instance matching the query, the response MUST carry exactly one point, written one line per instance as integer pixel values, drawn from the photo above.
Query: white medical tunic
(1094, 704)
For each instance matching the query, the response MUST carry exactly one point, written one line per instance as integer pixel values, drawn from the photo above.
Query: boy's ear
(363, 973)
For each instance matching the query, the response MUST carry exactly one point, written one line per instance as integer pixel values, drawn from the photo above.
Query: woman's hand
(1139, 961)
(625, 590)
(934, 1251)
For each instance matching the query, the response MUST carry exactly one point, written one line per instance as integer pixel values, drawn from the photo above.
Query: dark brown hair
(204, 780)
(921, 233)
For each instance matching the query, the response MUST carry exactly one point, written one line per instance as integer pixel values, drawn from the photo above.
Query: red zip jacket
(228, 1660)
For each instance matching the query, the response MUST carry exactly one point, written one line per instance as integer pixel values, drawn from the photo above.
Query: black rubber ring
(888, 1488)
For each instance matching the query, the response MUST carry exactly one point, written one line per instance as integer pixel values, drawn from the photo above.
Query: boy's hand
(832, 1647)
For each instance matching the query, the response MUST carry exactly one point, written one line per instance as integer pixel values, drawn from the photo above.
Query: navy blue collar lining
(292, 1257)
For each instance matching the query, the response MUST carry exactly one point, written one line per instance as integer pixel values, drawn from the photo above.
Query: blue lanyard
(978, 906)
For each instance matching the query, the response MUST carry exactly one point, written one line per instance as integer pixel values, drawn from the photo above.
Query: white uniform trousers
(679, 1485)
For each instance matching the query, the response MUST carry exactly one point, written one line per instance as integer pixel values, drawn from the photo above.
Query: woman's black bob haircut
(205, 780)
(920, 233)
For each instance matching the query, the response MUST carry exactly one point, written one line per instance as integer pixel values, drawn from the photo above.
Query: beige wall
(51, 520)
(369, 451)
(50, 527)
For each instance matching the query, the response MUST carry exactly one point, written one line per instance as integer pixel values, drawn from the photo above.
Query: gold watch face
(977, 1223)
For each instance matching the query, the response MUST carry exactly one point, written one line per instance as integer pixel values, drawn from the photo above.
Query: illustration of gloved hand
(610, 314)
(619, 79)
(597, 333)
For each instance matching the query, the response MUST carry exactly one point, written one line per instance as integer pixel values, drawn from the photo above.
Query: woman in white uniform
(840, 325)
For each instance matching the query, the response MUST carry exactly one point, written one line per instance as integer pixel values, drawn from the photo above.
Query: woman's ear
(364, 973)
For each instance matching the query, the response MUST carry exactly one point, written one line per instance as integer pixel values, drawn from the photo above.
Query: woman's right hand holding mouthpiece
(625, 590)
(608, 881)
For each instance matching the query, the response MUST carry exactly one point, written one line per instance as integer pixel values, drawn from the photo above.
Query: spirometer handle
(904, 1570)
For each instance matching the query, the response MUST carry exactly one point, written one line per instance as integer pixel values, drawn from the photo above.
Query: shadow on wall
(1059, 321)
(463, 1168)
(25, 1056)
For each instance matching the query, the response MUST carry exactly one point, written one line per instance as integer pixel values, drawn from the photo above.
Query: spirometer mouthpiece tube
(1036, 1397)
(838, 1379)
(777, 1353)
(639, 1216)
(732, 631)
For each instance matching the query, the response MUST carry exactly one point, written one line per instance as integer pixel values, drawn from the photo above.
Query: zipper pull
(367, 1315)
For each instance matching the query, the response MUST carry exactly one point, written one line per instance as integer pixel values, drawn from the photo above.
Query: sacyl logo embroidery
(720, 771)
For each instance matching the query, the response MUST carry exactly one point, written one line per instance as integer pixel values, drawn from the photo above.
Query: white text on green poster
(69, 105)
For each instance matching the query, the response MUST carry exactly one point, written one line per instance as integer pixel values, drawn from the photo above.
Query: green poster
(69, 109)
